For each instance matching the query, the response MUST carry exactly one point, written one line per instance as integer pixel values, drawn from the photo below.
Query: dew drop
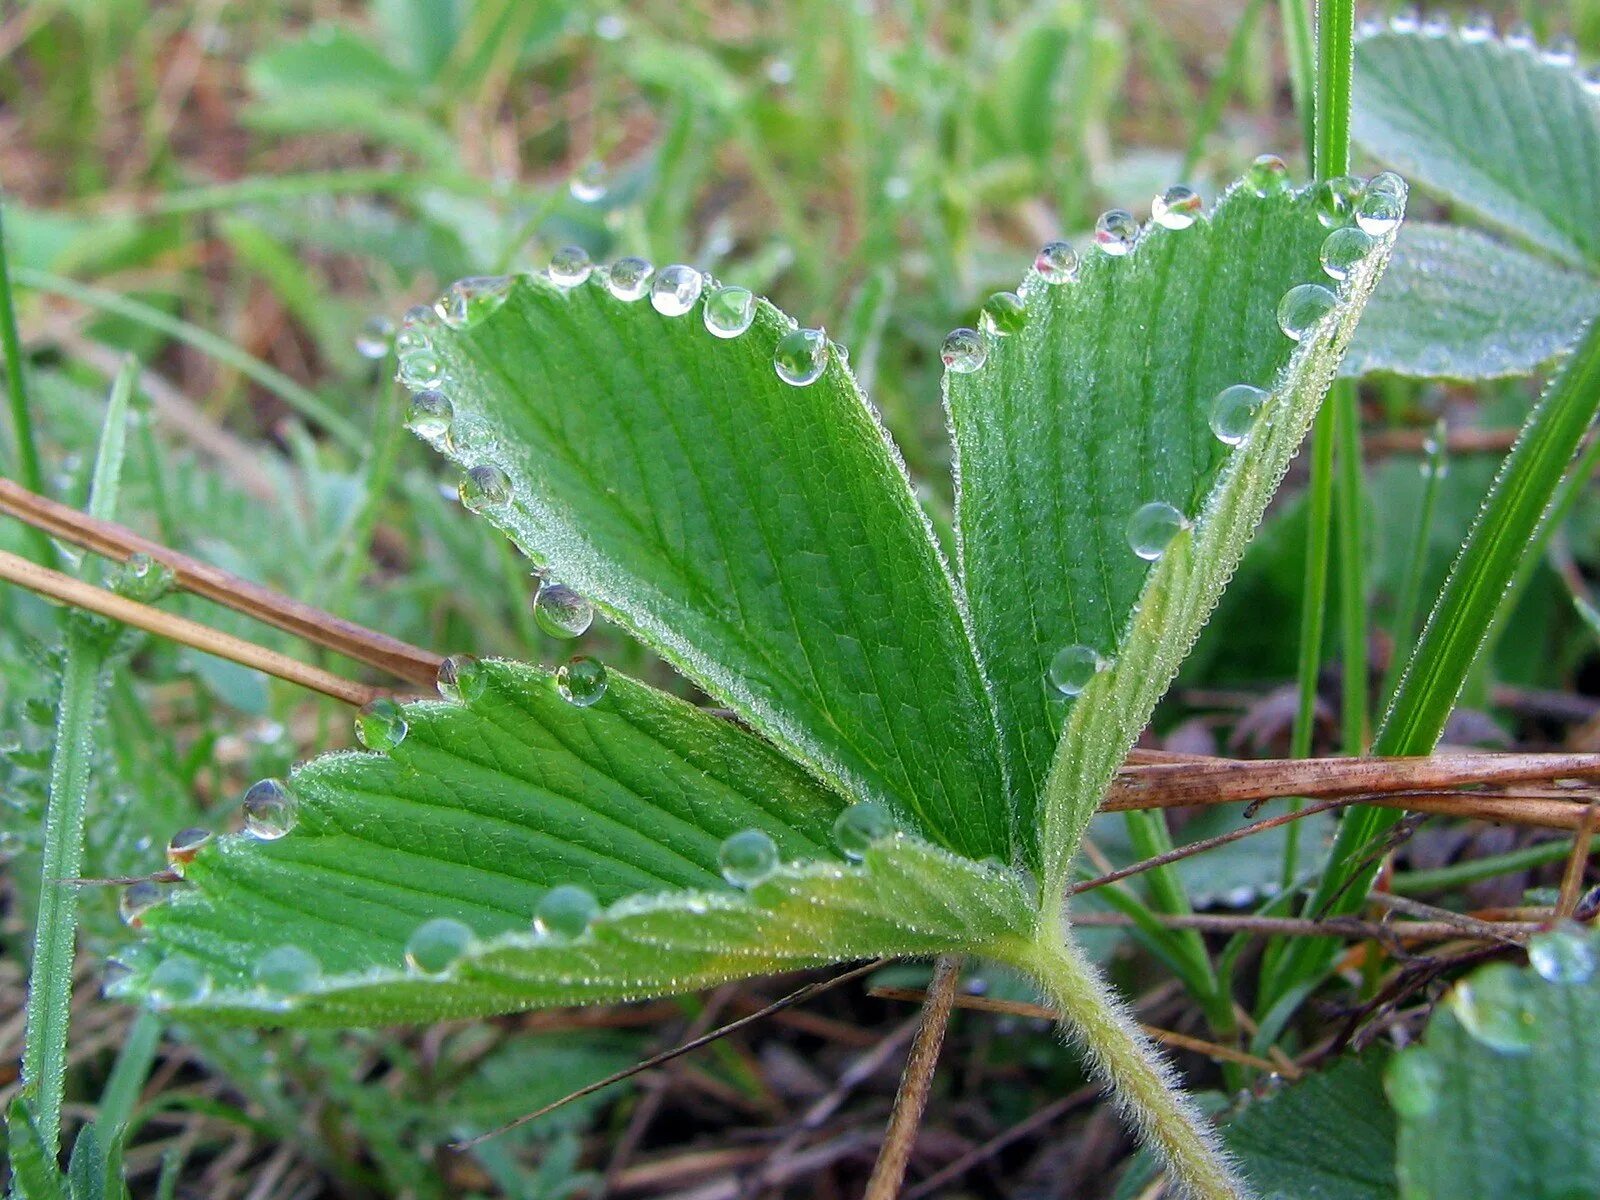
(381, 725)
(482, 487)
(430, 415)
(1412, 1082)
(1303, 307)
(1336, 199)
(800, 356)
(1479, 27)
(185, 844)
(963, 351)
(1520, 36)
(434, 946)
(1495, 1007)
(610, 27)
(375, 338)
(179, 980)
(675, 290)
(747, 858)
(1073, 667)
(1057, 263)
(1003, 314)
(1405, 20)
(565, 911)
(860, 826)
(1435, 25)
(1176, 208)
(1267, 176)
(560, 611)
(1566, 954)
(421, 368)
(629, 278)
(1378, 212)
(729, 311)
(469, 301)
(581, 680)
(1116, 231)
(1234, 411)
(138, 899)
(570, 266)
(287, 969)
(461, 679)
(1343, 250)
(269, 810)
(590, 184)
(1152, 528)
(1563, 52)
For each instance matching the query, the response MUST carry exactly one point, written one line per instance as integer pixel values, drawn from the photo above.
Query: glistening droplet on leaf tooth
(860, 826)
(1073, 667)
(1566, 954)
(565, 912)
(1116, 231)
(1336, 200)
(675, 290)
(729, 311)
(1152, 528)
(287, 969)
(1057, 263)
(747, 858)
(581, 680)
(1378, 212)
(1234, 411)
(430, 415)
(469, 301)
(1520, 36)
(963, 351)
(591, 182)
(269, 810)
(185, 844)
(570, 266)
(1563, 52)
(1003, 314)
(1479, 27)
(1267, 176)
(179, 980)
(436, 945)
(421, 368)
(801, 356)
(376, 337)
(461, 679)
(482, 487)
(381, 725)
(1343, 250)
(137, 899)
(1495, 1006)
(1176, 208)
(629, 278)
(1406, 20)
(1303, 308)
(560, 611)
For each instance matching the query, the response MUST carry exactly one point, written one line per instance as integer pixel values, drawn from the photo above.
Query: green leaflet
(761, 537)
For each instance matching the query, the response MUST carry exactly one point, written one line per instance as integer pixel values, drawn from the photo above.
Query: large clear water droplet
(381, 725)
(469, 301)
(581, 680)
(179, 980)
(1003, 314)
(1344, 250)
(137, 899)
(1379, 212)
(1057, 263)
(269, 810)
(1336, 200)
(1073, 668)
(859, 827)
(629, 278)
(375, 338)
(565, 911)
(801, 356)
(461, 679)
(1495, 1006)
(560, 611)
(1116, 231)
(570, 266)
(1387, 181)
(483, 487)
(421, 368)
(1177, 208)
(1152, 528)
(675, 290)
(185, 844)
(591, 182)
(1234, 411)
(1565, 954)
(963, 351)
(430, 416)
(1412, 1082)
(1267, 176)
(729, 311)
(1303, 308)
(287, 969)
(435, 946)
(747, 858)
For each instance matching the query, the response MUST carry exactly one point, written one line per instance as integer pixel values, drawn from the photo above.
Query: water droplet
(1057, 263)
(1520, 36)
(269, 810)
(381, 725)
(434, 946)
(560, 611)
(375, 338)
(1177, 208)
(590, 184)
(1435, 25)
(1412, 1082)
(896, 189)
(801, 356)
(1369, 26)
(138, 899)
(1496, 1008)
(610, 27)
(1267, 176)
(1564, 955)
(747, 858)
(421, 368)
(469, 301)
(185, 844)
(581, 680)
(1563, 52)
(1405, 20)
(1479, 27)
(1336, 199)
(1004, 314)
(1343, 250)
(780, 72)
(179, 980)
(1303, 307)
(675, 290)
(430, 415)
(629, 278)
(963, 351)
(1378, 212)
(860, 826)
(570, 266)
(729, 311)
(1116, 231)
(1073, 667)
(287, 969)
(482, 487)
(565, 911)
(1152, 528)
(1234, 411)
(461, 679)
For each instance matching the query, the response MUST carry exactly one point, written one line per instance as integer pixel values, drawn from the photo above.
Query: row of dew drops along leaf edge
(1478, 29)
